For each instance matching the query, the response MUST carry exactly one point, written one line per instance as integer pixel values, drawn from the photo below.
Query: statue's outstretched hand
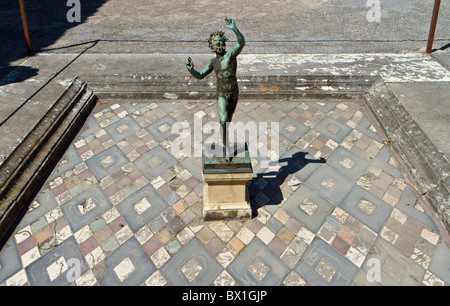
(189, 64)
(229, 23)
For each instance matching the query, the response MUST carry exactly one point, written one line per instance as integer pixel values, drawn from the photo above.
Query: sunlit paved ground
(125, 211)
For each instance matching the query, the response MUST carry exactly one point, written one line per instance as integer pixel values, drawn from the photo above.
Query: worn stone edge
(168, 87)
(26, 169)
(427, 168)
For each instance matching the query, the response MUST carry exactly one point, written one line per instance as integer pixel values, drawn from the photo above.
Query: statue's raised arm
(236, 50)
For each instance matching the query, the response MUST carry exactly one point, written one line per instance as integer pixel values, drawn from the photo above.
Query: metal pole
(23, 14)
(437, 4)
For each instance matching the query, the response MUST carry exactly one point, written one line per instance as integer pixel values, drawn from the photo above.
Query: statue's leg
(232, 103)
(231, 107)
(223, 118)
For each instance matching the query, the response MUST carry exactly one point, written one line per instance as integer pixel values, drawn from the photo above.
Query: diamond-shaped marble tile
(321, 265)
(128, 265)
(85, 207)
(258, 269)
(162, 128)
(141, 207)
(308, 208)
(106, 162)
(124, 269)
(333, 129)
(155, 162)
(191, 269)
(395, 269)
(192, 265)
(330, 184)
(325, 269)
(256, 265)
(122, 128)
(367, 208)
(292, 129)
(52, 269)
(347, 163)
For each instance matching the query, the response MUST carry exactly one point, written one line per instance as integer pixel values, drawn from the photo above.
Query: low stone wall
(427, 168)
(26, 169)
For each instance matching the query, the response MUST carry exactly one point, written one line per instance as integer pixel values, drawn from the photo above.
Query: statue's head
(217, 42)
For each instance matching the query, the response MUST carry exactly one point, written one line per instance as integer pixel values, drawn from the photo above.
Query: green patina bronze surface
(239, 163)
(225, 66)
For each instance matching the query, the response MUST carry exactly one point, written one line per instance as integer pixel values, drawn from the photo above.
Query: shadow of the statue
(265, 188)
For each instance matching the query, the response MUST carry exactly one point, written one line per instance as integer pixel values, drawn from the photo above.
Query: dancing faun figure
(225, 66)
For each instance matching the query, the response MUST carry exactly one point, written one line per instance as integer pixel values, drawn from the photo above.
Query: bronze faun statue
(225, 66)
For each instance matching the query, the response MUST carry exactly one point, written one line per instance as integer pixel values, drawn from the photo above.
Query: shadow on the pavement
(47, 20)
(19, 74)
(444, 47)
(265, 189)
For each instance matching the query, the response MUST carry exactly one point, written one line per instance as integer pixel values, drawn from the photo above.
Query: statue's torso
(225, 68)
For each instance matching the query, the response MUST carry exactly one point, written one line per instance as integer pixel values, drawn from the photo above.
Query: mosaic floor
(120, 209)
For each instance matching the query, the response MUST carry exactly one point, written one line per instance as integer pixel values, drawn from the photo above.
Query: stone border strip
(25, 170)
(254, 87)
(428, 168)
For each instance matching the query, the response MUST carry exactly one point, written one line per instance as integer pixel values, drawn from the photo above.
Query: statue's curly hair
(214, 34)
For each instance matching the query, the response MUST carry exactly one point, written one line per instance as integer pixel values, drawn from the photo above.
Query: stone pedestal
(225, 194)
